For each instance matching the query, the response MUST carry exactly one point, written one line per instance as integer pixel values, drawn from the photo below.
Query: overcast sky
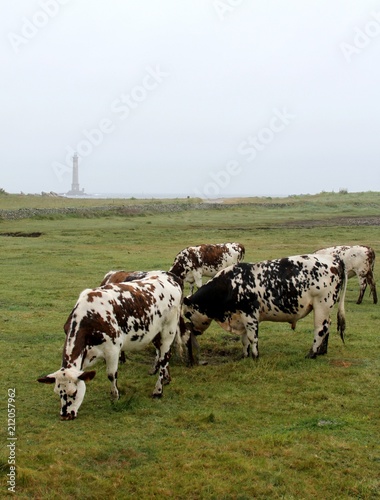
(204, 98)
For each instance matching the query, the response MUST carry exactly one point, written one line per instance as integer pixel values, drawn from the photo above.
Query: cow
(239, 297)
(205, 260)
(184, 337)
(118, 277)
(114, 318)
(360, 261)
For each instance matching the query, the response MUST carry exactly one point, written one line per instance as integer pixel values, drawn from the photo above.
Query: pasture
(280, 427)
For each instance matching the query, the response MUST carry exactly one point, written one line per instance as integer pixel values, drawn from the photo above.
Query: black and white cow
(240, 297)
(205, 260)
(114, 318)
(360, 261)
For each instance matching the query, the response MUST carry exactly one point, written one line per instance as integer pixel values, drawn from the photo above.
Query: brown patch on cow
(89, 333)
(91, 295)
(334, 270)
(371, 256)
(212, 255)
(116, 277)
(178, 268)
(66, 326)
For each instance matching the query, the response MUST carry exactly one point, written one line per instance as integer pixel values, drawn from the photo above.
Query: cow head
(198, 322)
(71, 388)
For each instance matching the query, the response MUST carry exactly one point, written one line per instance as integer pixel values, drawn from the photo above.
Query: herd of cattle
(131, 309)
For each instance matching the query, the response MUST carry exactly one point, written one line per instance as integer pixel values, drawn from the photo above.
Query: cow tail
(341, 316)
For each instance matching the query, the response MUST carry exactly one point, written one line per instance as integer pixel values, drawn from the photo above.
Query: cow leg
(198, 279)
(191, 279)
(111, 366)
(192, 350)
(250, 339)
(324, 344)
(163, 346)
(157, 344)
(321, 333)
(371, 282)
(363, 286)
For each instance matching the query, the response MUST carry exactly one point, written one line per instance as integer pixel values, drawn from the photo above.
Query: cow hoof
(311, 355)
(157, 395)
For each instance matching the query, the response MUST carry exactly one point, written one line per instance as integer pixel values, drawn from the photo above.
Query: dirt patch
(19, 234)
(340, 363)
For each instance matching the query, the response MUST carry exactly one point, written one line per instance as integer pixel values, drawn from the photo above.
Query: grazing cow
(360, 261)
(114, 318)
(286, 290)
(205, 260)
(115, 277)
(121, 276)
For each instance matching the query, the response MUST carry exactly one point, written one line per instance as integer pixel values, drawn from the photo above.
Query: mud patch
(340, 363)
(20, 234)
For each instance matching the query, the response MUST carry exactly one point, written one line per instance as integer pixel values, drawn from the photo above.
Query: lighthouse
(75, 183)
(75, 191)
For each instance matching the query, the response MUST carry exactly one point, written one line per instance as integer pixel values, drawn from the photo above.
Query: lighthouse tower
(75, 191)
(75, 183)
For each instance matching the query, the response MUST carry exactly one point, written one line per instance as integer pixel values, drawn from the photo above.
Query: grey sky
(191, 97)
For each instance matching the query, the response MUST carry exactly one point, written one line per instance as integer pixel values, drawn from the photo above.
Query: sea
(163, 196)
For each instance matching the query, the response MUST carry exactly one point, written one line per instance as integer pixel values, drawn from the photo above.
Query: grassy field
(281, 427)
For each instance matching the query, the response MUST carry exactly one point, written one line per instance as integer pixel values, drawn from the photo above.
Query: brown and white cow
(121, 276)
(360, 261)
(114, 318)
(205, 260)
(114, 277)
(240, 297)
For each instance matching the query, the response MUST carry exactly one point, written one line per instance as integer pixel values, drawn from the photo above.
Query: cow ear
(87, 376)
(48, 379)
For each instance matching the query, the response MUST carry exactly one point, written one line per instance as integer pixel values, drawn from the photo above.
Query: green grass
(282, 427)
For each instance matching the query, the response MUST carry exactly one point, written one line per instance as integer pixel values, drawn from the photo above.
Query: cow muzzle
(70, 416)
